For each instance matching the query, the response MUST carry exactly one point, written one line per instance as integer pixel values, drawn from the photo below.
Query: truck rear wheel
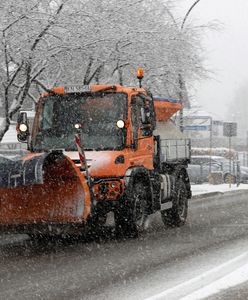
(131, 216)
(177, 215)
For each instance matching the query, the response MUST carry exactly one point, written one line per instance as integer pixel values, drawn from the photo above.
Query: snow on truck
(135, 163)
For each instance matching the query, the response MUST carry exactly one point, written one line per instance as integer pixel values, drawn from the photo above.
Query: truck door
(135, 123)
(142, 135)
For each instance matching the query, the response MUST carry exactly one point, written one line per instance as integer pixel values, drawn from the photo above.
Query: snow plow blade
(42, 191)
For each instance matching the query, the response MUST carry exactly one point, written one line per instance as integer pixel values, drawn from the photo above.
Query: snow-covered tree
(53, 42)
(25, 27)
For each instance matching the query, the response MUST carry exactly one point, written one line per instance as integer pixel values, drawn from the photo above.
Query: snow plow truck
(92, 150)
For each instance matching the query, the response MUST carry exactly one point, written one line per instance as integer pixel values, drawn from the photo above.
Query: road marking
(235, 278)
(204, 280)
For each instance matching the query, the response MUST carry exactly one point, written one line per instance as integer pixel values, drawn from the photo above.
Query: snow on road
(221, 277)
(198, 189)
(234, 278)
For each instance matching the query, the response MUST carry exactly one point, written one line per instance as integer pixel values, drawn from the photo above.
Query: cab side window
(142, 116)
(146, 115)
(135, 121)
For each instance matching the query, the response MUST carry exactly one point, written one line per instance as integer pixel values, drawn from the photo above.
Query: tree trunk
(4, 127)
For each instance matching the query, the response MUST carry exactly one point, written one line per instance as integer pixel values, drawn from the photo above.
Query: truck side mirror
(22, 127)
(144, 118)
(148, 114)
(146, 122)
(145, 115)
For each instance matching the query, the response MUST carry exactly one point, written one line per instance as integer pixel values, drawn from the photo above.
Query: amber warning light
(140, 73)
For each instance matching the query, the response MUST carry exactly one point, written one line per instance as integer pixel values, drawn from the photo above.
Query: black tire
(177, 215)
(100, 219)
(229, 178)
(43, 238)
(132, 214)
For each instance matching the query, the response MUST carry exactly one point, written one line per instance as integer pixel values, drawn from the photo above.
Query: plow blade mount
(43, 189)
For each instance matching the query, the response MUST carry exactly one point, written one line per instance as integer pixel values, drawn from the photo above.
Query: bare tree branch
(188, 12)
(44, 31)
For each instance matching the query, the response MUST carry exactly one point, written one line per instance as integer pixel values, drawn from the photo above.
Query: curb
(212, 194)
(207, 195)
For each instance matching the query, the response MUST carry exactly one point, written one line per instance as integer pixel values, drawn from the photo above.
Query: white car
(202, 165)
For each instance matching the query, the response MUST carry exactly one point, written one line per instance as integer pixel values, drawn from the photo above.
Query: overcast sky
(227, 50)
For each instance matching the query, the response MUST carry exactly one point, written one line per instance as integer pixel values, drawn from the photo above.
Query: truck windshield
(96, 113)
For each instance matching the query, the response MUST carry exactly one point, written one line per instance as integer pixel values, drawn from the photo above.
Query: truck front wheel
(177, 215)
(132, 214)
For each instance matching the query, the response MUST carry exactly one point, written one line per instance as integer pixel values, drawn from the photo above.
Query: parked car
(243, 174)
(200, 165)
(199, 168)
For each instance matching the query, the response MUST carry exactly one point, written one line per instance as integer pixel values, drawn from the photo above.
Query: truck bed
(174, 146)
(175, 150)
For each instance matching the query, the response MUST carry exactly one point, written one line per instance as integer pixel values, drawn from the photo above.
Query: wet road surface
(105, 267)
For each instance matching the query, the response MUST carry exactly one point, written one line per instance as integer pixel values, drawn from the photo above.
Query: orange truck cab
(135, 163)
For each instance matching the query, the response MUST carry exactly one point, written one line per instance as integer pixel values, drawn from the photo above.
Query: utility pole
(180, 77)
(188, 12)
(210, 143)
(181, 124)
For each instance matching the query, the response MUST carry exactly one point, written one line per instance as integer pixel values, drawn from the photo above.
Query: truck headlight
(23, 127)
(120, 124)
